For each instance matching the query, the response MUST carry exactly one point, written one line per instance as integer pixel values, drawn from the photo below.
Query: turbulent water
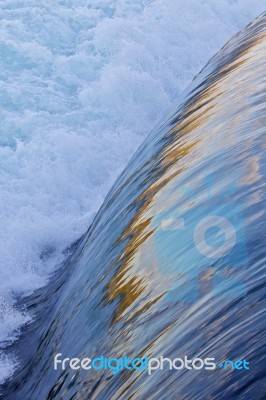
(144, 280)
(81, 83)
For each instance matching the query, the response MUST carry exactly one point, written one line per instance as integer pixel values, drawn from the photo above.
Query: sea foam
(82, 83)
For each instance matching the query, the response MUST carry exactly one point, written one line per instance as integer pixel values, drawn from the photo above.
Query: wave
(82, 83)
(145, 280)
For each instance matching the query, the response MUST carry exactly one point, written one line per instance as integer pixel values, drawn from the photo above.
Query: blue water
(174, 262)
(82, 82)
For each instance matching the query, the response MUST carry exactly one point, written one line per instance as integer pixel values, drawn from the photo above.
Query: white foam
(81, 85)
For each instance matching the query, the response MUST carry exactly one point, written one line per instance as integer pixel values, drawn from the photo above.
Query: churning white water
(81, 84)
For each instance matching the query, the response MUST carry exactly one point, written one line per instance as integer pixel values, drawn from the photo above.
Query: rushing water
(154, 275)
(82, 83)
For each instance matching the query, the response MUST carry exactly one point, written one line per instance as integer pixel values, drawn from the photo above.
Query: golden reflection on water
(212, 122)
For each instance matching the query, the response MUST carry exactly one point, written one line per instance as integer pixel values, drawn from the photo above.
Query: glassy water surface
(173, 263)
